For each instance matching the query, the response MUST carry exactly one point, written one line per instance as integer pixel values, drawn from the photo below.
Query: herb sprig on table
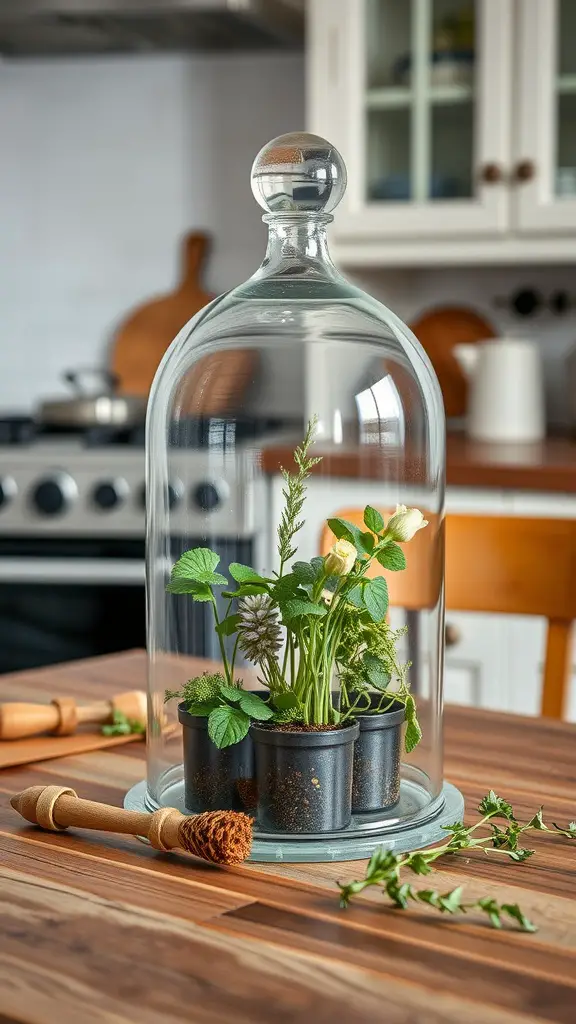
(384, 867)
(121, 725)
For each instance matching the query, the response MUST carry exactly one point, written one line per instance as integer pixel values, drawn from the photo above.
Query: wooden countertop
(98, 928)
(547, 466)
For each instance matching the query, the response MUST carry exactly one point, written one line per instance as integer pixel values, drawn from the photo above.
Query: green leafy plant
(384, 867)
(296, 624)
(122, 726)
(373, 679)
(229, 708)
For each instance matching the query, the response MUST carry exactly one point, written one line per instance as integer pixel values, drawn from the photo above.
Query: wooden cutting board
(438, 331)
(141, 341)
(44, 748)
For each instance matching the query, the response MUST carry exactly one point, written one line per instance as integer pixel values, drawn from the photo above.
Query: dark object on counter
(215, 779)
(304, 779)
(17, 430)
(103, 408)
(376, 776)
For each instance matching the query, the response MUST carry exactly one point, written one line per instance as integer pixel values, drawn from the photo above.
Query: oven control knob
(109, 494)
(8, 490)
(208, 496)
(54, 495)
(174, 494)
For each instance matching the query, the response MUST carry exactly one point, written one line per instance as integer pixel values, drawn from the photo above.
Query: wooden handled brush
(223, 837)
(63, 715)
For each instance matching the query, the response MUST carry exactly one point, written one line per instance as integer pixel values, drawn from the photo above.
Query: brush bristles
(223, 837)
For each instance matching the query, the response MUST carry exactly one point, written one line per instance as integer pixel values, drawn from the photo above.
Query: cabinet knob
(525, 170)
(452, 634)
(491, 174)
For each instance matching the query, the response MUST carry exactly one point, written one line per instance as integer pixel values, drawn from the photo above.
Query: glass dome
(298, 348)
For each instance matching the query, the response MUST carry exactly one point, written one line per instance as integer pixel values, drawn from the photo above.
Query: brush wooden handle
(57, 807)
(63, 715)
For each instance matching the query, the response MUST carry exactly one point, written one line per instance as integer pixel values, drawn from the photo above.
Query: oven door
(62, 599)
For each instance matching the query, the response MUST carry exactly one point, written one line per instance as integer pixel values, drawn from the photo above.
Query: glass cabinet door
(545, 171)
(420, 100)
(425, 94)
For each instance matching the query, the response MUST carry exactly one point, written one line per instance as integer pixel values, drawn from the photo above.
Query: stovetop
(221, 432)
(92, 482)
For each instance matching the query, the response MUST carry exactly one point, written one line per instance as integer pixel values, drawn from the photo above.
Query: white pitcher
(506, 396)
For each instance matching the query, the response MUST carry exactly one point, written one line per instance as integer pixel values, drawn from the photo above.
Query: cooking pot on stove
(90, 407)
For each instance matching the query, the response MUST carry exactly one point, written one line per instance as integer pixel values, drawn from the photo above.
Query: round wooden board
(438, 331)
(143, 338)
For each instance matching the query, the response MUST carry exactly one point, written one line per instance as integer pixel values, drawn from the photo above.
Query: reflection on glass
(566, 35)
(452, 47)
(388, 41)
(389, 154)
(381, 415)
(452, 152)
(565, 166)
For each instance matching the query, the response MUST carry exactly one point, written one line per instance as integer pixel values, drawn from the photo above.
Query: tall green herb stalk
(385, 868)
(294, 494)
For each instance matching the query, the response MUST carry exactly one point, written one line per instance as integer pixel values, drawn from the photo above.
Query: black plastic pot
(376, 778)
(215, 780)
(304, 779)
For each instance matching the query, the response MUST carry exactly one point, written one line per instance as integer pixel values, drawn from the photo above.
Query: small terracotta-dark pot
(214, 779)
(304, 779)
(376, 776)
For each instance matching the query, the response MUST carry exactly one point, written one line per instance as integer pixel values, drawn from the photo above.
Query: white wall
(104, 164)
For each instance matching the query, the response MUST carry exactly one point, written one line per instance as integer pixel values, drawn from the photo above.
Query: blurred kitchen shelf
(566, 84)
(397, 97)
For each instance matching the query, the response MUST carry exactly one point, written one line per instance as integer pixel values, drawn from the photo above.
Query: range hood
(34, 28)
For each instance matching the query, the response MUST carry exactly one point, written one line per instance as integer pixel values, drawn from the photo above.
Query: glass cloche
(295, 489)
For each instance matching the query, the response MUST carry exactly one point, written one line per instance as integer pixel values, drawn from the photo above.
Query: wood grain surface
(549, 465)
(99, 928)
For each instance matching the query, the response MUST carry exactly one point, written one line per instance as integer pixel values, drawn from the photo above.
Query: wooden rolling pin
(223, 837)
(63, 715)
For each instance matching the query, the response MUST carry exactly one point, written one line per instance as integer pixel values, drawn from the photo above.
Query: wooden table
(98, 928)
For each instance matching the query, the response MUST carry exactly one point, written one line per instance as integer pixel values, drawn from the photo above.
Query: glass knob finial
(298, 173)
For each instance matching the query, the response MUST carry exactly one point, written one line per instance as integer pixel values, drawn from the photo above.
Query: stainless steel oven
(72, 524)
(65, 598)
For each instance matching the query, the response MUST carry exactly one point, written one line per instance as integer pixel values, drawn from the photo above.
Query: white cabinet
(545, 196)
(457, 120)
(496, 662)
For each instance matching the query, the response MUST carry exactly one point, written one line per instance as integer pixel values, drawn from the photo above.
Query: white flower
(327, 595)
(341, 558)
(405, 523)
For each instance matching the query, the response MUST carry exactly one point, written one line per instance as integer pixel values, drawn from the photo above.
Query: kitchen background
(106, 163)
(462, 194)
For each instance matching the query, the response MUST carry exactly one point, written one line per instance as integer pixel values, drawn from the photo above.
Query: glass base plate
(420, 825)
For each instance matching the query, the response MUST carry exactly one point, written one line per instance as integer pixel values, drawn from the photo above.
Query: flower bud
(341, 558)
(405, 523)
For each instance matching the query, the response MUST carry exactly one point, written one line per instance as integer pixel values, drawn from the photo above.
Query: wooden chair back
(505, 565)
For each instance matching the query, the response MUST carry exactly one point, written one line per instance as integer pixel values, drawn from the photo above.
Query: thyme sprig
(384, 867)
